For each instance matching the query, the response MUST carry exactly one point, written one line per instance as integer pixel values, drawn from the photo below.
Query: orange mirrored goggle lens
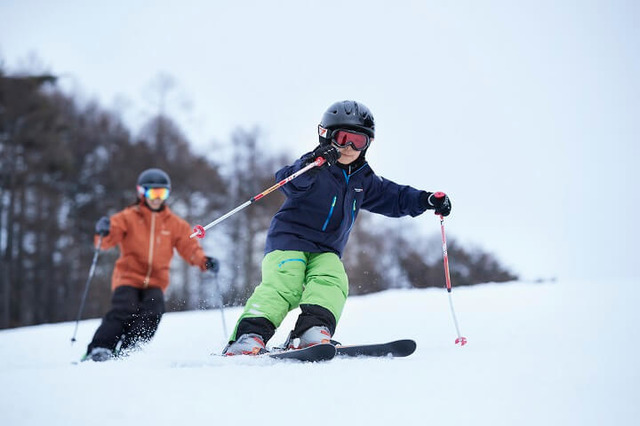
(153, 193)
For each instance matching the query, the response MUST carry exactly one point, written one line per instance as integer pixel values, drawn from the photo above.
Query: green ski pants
(291, 278)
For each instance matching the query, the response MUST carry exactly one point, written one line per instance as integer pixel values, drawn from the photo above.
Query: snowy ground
(562, 353)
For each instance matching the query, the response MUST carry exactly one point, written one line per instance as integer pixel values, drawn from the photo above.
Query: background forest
(65, 163)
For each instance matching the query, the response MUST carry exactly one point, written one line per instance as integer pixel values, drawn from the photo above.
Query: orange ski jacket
(146, 240)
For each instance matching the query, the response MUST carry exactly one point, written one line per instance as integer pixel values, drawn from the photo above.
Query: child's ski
(316, 353)
(398, 348)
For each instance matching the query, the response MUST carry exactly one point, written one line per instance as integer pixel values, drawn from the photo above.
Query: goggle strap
(323, 132)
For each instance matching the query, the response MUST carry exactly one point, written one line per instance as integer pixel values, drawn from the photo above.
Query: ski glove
(103, 226)
(212, 264)
(328, 152)
(438, 201)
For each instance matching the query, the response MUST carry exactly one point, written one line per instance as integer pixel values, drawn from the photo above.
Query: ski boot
(313, 336)
(247, 344)
(98, 355)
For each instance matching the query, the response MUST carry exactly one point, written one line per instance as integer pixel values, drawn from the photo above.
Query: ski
(316, 353)
(398, 348)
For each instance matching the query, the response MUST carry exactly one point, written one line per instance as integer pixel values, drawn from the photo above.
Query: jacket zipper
(151, 245)
(353, 210)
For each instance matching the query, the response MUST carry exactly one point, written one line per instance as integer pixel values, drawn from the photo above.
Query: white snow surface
(563, 353)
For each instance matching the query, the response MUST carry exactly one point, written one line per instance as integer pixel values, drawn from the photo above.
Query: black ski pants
(134, 317)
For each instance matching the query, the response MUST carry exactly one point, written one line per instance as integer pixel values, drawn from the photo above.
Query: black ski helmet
(346, 115)
(154, 178)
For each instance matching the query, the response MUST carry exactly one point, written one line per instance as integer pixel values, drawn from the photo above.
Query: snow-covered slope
(560, 353)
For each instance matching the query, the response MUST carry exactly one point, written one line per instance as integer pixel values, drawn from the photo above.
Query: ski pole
(221, 303)
(86, 286)
(209, 281)
(199, 230)
(460, 339)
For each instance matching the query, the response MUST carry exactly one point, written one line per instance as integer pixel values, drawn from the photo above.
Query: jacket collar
(351, 168)
(144, 209)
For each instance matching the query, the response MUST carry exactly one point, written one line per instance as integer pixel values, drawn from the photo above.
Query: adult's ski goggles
(343, 138)
(153, 193)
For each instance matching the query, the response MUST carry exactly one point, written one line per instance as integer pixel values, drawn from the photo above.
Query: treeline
(64, 164)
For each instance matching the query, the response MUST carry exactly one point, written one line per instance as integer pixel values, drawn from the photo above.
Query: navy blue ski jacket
(322, 206)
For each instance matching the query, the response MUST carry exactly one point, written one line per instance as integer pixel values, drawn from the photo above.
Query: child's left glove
(438, 201)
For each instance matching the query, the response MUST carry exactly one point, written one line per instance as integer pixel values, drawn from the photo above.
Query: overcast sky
(525, 112)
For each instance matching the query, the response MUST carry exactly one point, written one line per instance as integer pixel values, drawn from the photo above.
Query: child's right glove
(438, 201)
(328, 152)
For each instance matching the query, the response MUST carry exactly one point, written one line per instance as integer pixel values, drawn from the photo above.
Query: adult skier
(146, 232)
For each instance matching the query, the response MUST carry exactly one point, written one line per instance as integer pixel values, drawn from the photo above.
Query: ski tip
(404, 347)
(409, 345)
(395, 349)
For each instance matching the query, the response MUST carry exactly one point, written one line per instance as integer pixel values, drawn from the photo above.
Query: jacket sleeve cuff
(424, 201)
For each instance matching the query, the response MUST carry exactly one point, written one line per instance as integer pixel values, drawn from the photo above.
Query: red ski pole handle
(440, 196)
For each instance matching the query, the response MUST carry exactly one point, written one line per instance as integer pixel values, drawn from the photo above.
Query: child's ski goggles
(343, 138)
(153, 193)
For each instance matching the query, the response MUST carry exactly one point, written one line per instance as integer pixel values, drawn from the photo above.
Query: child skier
(305, 242)
(147, 233)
